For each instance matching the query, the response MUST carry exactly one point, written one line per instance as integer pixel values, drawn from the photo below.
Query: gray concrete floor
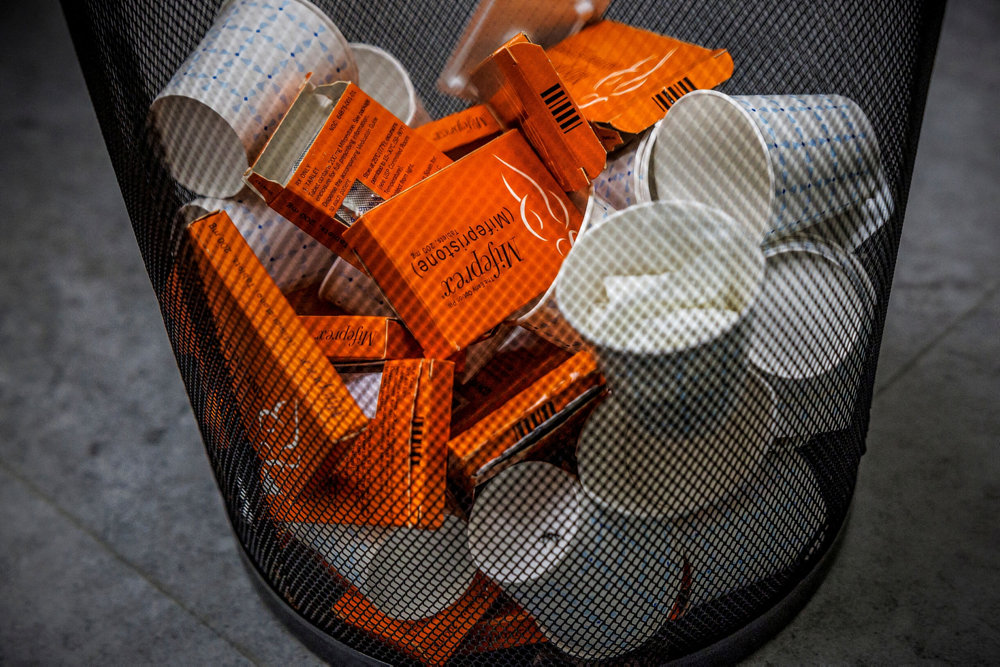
(114, 547)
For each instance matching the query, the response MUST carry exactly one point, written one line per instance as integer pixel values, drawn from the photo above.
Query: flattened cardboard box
(335, 154)
(453, 267)
(297, 411)
(353, 338)
(395, 472)
(522, 88)
(628, 78)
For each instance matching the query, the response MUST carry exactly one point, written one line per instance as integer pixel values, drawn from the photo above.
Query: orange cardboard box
(510, 432)
(454, 262)
(628, 78)
(348, 338)
(335, 154)
(297, 411)
(462, 128)
(432, 640)
(395, 472)
(508, 626)
(522, 88)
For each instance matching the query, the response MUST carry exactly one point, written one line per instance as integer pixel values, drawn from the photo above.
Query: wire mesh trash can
(594, 476)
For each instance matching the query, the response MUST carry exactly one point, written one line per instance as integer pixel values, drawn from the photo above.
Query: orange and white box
(508, 433)
(395, 472)
(335, 154)
(627, 78)
(521, 87)
(298, 413)
(360, 338)
(460, 251)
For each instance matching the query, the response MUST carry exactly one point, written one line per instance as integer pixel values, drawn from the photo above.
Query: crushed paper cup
(383, 77)
(407, 573)
(599, 584)
(766, 528)
(625, 180)
(353, 290)
(292, 257)
(219, 109)
(813, 323)
(674, 361)
(650, 474)
(773, 162)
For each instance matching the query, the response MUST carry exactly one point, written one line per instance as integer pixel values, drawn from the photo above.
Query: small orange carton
(431, 640)
(297, 411)
(335, 154)
(510, 432)
(355, 338)
(627, 78)
(522, 88)
(395, 472)
(455, 262)
(464, 128)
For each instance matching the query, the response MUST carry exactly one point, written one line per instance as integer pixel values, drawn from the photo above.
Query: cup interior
(708, 149)
(386, 80)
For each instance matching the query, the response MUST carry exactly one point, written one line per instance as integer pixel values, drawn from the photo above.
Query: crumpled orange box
(336, 153)
(628, 78)
(463, 249)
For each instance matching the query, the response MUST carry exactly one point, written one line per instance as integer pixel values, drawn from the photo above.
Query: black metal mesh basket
(656, 519)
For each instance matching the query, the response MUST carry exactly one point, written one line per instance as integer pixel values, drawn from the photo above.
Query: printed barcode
(667, 97)
(416, 439)
(561, 107)
(533, 420)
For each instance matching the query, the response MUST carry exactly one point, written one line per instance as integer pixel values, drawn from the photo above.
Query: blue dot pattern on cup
(837, 160)
(292, 33)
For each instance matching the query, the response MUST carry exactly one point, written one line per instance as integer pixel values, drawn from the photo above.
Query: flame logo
(537, 226)
(623, 81)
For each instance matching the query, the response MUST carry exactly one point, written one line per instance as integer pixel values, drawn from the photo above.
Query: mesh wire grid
(616, 549)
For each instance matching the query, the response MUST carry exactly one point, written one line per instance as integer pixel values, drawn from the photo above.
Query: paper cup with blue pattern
(292, 257)
(599, 584)
(663, 293)
(775, 163)
(215, 115)
(624, 180)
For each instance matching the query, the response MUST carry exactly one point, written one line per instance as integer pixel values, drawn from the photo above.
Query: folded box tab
(454, 267)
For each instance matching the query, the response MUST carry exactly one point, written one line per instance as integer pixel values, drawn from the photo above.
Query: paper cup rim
(859, 279)
(411, 91)
(755, 390)
(580, 327)
(696, 97)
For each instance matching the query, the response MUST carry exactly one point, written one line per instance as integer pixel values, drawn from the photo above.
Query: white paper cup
(812, 326)
(758, 533)
(387, 81)
(353, 290)
(599, 584)
(292, 257)
(621, 181)
(642, 473)
(673, 349)
(407, 573)
(219, 109)
(773, 162)
(849, 228)
(544, 318)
